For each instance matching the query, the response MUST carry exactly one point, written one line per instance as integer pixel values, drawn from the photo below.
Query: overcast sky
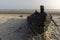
(29, 4)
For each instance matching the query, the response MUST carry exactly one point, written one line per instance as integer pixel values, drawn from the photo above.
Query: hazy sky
(29, 4)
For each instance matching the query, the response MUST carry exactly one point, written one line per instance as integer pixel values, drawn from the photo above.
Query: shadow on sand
(16, 29)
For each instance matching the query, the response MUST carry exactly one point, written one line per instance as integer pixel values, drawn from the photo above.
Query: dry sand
(14, 27)
(10, 23)
(53, 32)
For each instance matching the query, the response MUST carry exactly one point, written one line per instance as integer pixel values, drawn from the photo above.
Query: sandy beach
(10, 25)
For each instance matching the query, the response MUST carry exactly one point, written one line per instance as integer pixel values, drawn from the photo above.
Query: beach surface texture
(14, 27)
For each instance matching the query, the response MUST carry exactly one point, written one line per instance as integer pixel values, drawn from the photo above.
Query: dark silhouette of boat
(39, 21)
(36, 20)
